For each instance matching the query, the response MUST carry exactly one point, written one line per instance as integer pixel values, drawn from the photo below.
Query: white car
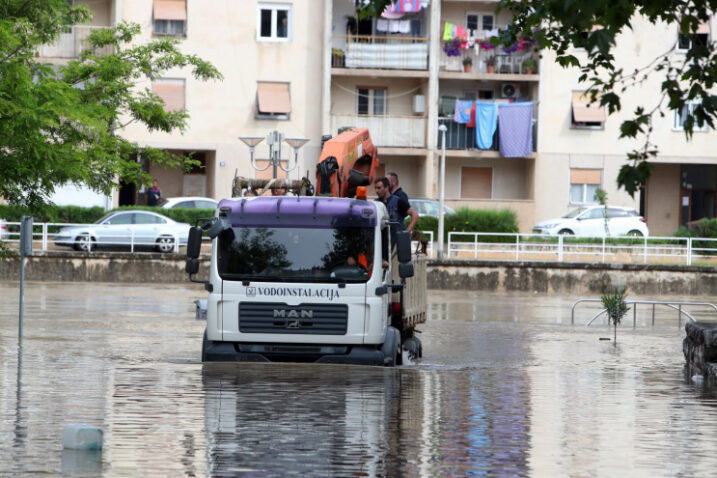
(191, 202)
(590, 221)
(126, 228)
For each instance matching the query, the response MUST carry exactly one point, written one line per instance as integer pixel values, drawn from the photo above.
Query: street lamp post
(274, 140)
(442, 128)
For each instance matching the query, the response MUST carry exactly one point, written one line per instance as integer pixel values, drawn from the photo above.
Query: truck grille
(280, 318)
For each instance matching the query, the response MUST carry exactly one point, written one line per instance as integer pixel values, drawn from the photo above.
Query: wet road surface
(507, 387)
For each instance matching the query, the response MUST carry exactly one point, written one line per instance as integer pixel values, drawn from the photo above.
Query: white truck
(310, 279)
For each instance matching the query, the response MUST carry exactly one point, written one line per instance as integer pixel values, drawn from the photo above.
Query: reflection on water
(506, 388)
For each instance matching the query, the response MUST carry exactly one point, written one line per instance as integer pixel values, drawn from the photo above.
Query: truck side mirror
(192, 266)
(403, 246)
(194, 242)
(405, 271)
(216, 227)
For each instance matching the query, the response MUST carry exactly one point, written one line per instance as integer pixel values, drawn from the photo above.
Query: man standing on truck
(398, 207)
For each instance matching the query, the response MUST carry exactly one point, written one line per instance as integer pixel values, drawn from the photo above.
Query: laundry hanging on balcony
(515, 123)
(462, 113)
(398, 8)
(486, 124)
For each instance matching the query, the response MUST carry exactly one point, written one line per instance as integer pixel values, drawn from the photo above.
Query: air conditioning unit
(509, 90)
(419, 104)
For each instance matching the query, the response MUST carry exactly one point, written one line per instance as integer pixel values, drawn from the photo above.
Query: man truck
(311, 278)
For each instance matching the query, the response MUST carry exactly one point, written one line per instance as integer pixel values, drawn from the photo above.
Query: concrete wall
(546, 278)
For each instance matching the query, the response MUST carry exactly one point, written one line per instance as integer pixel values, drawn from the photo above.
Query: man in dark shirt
(398, 208)
(154, 194)
(395, 188)
(397, 191)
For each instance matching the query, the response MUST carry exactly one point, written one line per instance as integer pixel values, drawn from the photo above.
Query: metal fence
(44, 239)
(527, 247)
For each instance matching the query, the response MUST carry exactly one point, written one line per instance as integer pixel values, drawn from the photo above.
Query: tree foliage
(62, 124)
(565, 25)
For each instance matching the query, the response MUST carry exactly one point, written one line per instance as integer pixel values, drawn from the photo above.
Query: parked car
(429, 207)
(189, 202)
(590, 221)
(123, 229)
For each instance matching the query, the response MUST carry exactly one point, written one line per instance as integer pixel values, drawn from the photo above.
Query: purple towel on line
(515, 129)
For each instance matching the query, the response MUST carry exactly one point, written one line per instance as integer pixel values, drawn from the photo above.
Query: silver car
(129, 228)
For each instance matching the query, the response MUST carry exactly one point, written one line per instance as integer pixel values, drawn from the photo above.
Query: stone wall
(573, 278)
(542, 277)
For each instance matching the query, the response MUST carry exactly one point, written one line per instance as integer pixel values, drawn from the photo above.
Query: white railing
(390, 131)
(536, 247)
(385, 52)
(43, 240)
(72, 43)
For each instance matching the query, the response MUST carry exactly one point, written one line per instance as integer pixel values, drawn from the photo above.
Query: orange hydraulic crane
(347, 160)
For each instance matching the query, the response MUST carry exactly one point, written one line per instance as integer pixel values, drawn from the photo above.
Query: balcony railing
(505, 64)
(459, 136)
(390, 131)
(71, 44)
(366, 51)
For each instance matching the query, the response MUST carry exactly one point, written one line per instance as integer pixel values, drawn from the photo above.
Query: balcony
(507, 67)
(388, 131)
(461, 137)
(72, 43)
(375, 52)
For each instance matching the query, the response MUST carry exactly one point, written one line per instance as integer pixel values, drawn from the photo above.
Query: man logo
(293, 314)
(293, 324)
(251, 291)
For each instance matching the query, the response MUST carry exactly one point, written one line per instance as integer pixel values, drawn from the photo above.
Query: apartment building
(308, 68)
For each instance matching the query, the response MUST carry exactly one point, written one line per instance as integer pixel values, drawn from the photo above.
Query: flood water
(507, 387)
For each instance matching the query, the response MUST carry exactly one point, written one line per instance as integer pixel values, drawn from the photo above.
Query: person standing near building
(154, 194)
(398, 191)
(398, 208)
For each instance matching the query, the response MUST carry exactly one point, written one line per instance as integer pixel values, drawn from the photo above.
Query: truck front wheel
(392, 347)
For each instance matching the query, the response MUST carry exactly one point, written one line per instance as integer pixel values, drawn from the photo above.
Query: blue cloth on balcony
(486, 123)
(515, 123)
(462, 114)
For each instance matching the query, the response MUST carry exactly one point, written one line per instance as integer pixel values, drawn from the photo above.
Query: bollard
(81, 437)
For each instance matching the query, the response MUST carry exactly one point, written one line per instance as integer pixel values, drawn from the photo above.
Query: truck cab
(296, 278)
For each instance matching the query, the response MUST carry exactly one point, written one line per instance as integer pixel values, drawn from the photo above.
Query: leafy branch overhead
(61, 123)
(685, 78)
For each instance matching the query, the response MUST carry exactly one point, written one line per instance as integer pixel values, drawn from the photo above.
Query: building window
(274, 22)
(476, 183)
(700, 38)
(170, 17)
(371, 101)
(681, 116)
(273, 100)
(479, 21)
(585, 115)
(171, 91)
(583, 185)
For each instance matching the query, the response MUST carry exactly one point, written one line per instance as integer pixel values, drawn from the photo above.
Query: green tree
(563, 25)
(601, 196)
(63, 123)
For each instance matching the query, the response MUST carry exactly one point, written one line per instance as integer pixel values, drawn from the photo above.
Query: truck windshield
(290, 254)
